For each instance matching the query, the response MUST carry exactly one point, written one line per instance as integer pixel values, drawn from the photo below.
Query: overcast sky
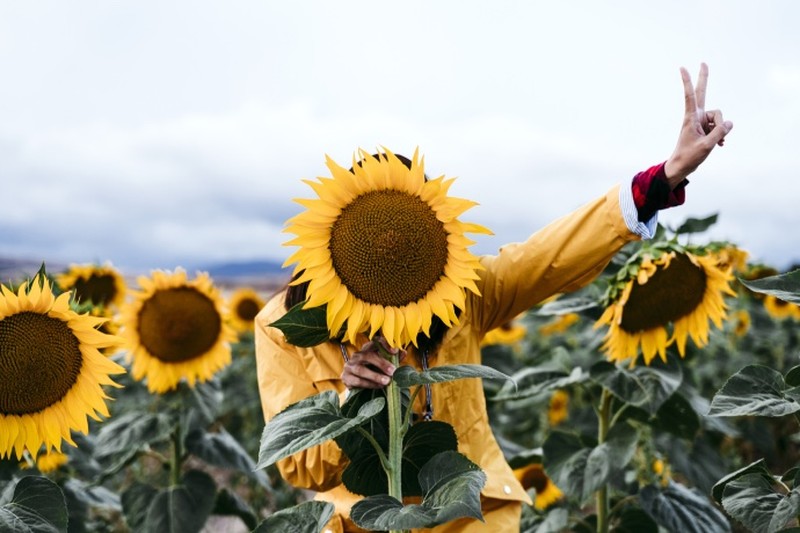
(158, 134)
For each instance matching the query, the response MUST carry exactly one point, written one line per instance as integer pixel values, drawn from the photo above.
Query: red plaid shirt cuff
(651, 192)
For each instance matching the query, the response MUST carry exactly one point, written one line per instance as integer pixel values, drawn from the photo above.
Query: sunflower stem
(396, 433)
(177, 454)
(601, 496)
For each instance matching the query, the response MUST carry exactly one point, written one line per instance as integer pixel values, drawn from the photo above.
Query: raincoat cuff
(630, 213)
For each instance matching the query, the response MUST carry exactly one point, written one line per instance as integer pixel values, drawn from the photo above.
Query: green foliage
(304, 327)
(307, 517)
(33, 504)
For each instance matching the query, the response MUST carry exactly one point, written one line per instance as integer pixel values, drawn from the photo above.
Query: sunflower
(509, 333)
(680, 288)
(532, 476)
(558, 410)
(662, 471)
(98, 285)
(741, 323)
(244, 305)
(48, 462)
(175, 328)
(780, 309)
(51, 369)
(732, 257)
(383, 249)
(560, 324)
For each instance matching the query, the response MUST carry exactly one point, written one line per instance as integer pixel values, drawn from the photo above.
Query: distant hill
(263, 275)
(16, 270)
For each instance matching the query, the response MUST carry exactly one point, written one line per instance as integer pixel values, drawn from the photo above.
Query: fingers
(700, 90)
(719, 127)
(688, 93)
(367, 370)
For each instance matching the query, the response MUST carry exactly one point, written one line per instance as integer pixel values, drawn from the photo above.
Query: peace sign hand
(701, 130)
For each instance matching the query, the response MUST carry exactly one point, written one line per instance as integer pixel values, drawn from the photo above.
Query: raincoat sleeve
(565, 255)
(283, 379)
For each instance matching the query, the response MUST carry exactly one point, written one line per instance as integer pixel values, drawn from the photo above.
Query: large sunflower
(244, 305)
(176, 329)
(678, 288)
(383, 249)
(98, 285)
(533, 476)
(51, 370)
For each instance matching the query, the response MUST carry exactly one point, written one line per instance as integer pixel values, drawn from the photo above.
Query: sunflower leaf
(532, 381)
(37, 505)
(758, 467)
(182, 508)
(647, 387)
(752, 500)
(307, 517)
(229, 503)
(308, 423)
(406, 376)
(677, 508)
(304, 327)
(451, 484)
(756, 390)
(221, 449)
(696, 225)
(783, 286)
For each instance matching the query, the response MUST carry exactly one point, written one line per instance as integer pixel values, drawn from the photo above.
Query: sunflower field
(664, 396)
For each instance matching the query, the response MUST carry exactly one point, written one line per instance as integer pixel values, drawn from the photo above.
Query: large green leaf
(182, 508)
(308, 423)
(647, 387)
(635, 520)
(696, 225)
(532, 381)
(123, 436)
(136, 501)
(755, 390)
(407, 376)
(566, 305)
(758, 467)
(579, 469)
(37, 506)
(783, 286)
(451, 484)
(752, 500)
(307, 517)
(221, 449)
(229, 503)
(677, 508)
(304, 327)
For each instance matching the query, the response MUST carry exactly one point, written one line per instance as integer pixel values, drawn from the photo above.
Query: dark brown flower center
(98, 289)
(40, 361)
(178, 324)
(247, 309)
(536, 478)
(388, 247)
(670, 294)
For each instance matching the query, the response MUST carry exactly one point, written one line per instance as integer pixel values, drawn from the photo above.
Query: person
(565, 255)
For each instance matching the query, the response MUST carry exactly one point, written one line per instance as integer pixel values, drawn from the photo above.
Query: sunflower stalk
(176, 462)
(604, 424)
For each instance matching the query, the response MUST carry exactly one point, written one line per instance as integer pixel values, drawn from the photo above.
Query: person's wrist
(674, 172)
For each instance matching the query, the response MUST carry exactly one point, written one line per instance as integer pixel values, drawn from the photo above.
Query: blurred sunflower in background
(780, 309)
(559, 324)
(47, 462)
(51, 369)
(383, 249)
(741, 322)
(533, 476)
(174, 329)
(99, 285)
(677, 288)
(509, 334)
(558, 410)
(244, 304)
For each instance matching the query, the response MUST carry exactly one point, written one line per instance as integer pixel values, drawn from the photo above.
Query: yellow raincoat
(562, 257)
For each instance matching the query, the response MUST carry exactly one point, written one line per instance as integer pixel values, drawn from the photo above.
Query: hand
(701, 131)
(367, 368)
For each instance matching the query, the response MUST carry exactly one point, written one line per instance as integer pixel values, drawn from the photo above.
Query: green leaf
(783, 286)
(563, 306)
(647, 387)
(635, 520)
(182, 508)
(231, 504)
(532, 381)
(609, 457)
(304, 327)
(407, 376)
(677, 416)
(793, 377)
(451, 484)
(123, 436)
(422, 442)
(752, 500)
(758, 467)
(135, 503)
(37, 506)
(308, 423)
(677, 508)
(307, 517)
(696, 225)
(221, 449)
(755, 390)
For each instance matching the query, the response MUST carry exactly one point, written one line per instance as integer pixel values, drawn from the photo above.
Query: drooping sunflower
(383, 249)
(533, 476)
(98, 285)
(780, 309)
(51, 369)
(678, 288)
(558, 410)
(244, 305)
(509, 334)
(176, 328)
